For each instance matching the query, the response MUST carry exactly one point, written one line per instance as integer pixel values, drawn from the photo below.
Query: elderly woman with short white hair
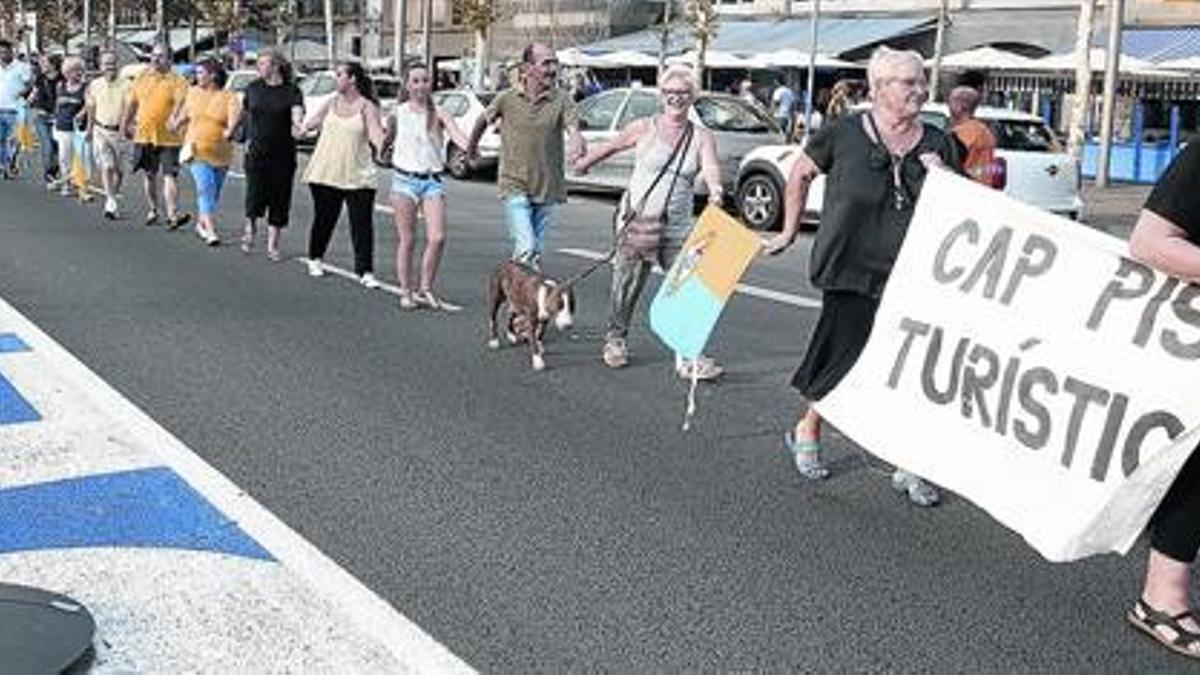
(655, 215)
(875, 162)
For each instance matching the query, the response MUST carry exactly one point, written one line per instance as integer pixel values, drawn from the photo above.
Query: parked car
(1031, 165)
(738, 126)
(465, 106)
(238, 80)
(320, 87)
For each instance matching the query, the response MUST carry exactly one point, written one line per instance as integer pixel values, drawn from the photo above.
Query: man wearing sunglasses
(533, 119)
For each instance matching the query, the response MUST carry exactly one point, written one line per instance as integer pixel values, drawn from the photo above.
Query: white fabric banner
(1020, 360)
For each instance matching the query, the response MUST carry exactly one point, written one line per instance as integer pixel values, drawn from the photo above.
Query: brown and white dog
(533, 301)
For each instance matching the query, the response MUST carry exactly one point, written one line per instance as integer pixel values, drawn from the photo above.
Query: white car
(320, 87)
(1033, 167)
(465, 106)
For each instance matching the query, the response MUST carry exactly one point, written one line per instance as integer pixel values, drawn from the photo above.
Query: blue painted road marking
(14, 409)
(152, 508)
(9, 342)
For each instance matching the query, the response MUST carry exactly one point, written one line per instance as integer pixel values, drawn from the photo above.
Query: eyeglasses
(677, 97)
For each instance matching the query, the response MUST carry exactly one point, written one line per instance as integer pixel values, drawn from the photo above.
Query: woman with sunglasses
(342, 170)
(875, 162)
(670, 151)
(418, 160)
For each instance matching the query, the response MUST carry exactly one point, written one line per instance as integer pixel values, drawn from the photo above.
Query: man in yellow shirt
(106, 100)
(154, 96)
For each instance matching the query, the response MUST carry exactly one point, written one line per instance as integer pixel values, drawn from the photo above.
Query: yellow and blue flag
(699, 283)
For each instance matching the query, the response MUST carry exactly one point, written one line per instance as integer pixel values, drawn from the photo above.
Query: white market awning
(985, 58)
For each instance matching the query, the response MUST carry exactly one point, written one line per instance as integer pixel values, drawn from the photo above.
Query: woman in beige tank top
(342, 170)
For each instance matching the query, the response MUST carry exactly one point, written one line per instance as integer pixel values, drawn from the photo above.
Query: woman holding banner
(656, 212)
(875, 162)
(1167, 237)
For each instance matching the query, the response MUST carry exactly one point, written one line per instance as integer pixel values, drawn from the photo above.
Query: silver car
(738, 126)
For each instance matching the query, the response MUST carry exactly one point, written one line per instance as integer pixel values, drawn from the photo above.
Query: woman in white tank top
(656, 139)
(418, 159)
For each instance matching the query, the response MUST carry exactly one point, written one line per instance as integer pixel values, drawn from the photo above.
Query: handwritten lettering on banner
(1019, 359)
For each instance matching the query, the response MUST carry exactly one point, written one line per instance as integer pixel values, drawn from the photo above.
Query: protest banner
(1019, 359)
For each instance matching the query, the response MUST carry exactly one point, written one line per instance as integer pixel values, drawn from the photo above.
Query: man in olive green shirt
(533, 118)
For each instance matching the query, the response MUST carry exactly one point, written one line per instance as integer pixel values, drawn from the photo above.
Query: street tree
(701, 16)
(479, 16)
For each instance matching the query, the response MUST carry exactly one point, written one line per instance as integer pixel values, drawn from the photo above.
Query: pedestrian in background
(875, 162)
(1167, 237)
(342, 170)
(46, 76)
(210, 113)
(670, 151)
(977, 139)
(273, 115)
(783, 105)
(15, 81)
(153, 98)
(69, 117)
(418, 160)
(106, 99)
(535, 115)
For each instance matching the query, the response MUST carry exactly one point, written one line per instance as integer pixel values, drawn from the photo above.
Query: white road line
(745, 289)
(376, 618)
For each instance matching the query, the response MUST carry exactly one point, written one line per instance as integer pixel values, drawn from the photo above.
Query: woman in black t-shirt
(274, 111)
(68, 115)
(41, 109)
(1167, 237)
(875, 164)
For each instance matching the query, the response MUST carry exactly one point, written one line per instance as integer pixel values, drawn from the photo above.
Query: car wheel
(760, 202)
(456, 162)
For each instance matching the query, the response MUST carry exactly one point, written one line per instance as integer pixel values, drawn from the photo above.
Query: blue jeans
(8, 124)
(527, 224)
(43, 126)
(208, 179)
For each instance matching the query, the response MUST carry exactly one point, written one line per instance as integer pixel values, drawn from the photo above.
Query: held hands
(779, 243)
(581, 166)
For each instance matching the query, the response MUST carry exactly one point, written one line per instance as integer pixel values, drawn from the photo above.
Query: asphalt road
(554, 521)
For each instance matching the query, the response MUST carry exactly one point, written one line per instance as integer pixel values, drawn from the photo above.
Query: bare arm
(456, 134)
(627, 138)
(576, 145)
(481, 125)
(130, 114)
(318, 119)
(376, 133)
(710, 167)
(297, 121)
(179, 117)
(1163, 245)
(234, 118)
(795, 197)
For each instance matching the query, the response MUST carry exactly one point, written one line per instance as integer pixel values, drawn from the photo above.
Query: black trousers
(836, 343)
(1175, 526)
(327, 208)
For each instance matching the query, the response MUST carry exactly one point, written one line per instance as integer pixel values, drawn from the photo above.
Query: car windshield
(485, 98)
(387, 88)
(239, 81)
(1025, 136)
(729, 114)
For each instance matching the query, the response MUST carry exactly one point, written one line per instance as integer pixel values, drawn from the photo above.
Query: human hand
(580, 166)
(779, 243)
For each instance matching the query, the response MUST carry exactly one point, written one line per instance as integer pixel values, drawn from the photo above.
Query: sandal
(406, 299)
(706, 369)
(1150, 620)
(806, 455)
(426, 298)
(248, 243)
(920, 492)
(274, 256)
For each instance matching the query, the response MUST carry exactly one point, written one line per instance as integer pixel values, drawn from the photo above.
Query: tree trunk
(1083, 78)
(330, 39)
(481, 59)
(939, 47)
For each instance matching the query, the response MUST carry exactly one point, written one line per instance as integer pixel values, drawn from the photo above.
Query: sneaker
(368, 280)
(704, 367)
(178, 220)
(315, 268)
(919, 491)
(615, 354)
(406, 299)
(110, 208)
(65, 189)
(151, 217)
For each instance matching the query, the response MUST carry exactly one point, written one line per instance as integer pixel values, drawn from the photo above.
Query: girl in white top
(418, 159)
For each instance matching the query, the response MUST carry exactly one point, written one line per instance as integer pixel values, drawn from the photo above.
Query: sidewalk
(1113, 209)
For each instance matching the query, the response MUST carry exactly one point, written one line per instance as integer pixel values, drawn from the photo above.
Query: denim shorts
(417, 188)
